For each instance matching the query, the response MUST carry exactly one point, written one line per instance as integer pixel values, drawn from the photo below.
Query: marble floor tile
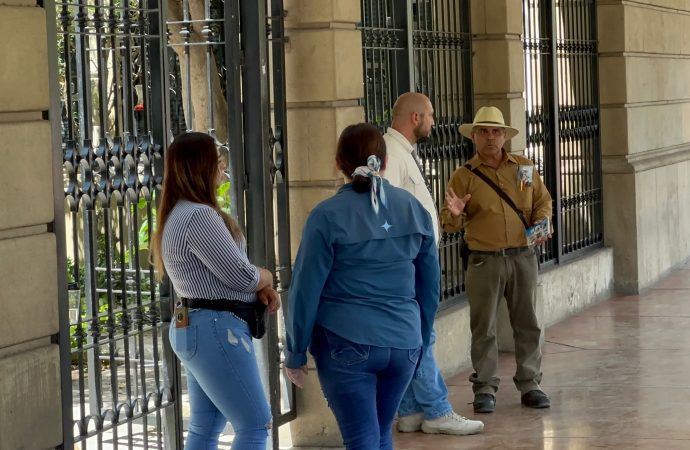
(677, 280)
(618, 375)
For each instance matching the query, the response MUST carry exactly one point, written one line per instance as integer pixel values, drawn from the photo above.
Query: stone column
(498, 71)
(498, 62)
(645, 137)
(324, 84)
(30, 401)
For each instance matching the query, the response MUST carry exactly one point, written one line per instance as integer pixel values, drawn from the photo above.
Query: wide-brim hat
(488, 116)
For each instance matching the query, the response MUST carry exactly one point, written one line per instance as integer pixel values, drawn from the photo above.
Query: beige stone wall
(645, 131)
(30, 405)
(324, 84)
(498, 63)
(563, 291)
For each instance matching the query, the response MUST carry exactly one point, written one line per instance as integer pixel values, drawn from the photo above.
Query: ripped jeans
(223, 381)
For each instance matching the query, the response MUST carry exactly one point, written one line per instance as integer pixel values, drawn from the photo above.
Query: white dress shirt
(402, 171)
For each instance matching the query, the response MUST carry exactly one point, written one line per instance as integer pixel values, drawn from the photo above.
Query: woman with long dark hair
(364, 292)
(203, 252)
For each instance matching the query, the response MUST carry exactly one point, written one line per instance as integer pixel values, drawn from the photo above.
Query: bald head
(413, 116)
(408, 103)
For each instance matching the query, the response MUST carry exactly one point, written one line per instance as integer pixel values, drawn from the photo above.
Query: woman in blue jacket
(364, 292)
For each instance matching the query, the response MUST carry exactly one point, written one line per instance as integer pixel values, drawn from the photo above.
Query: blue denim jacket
(370, 278)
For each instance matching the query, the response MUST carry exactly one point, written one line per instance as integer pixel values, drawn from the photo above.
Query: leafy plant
(144, 228)
(223, 196)
(76, 276)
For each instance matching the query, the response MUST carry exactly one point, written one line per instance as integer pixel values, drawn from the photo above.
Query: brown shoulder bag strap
(501, 193)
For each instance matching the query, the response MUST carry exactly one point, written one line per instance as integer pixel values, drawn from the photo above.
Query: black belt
(234, 306)
(512, 251)
(252, 313)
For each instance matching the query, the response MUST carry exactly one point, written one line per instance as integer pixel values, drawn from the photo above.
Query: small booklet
(539, 230)
(525, 176)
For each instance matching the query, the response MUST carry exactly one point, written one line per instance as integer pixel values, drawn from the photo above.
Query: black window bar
(562, 107)
(424, 46)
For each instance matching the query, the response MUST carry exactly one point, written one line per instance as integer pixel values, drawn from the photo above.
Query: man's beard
(421, 138)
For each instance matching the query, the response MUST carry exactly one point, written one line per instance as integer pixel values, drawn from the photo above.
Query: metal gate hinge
(283, 14)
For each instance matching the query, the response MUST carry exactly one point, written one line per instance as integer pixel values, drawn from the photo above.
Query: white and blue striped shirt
(201, 257)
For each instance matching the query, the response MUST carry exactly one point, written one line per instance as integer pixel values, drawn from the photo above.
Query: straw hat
(488, 116)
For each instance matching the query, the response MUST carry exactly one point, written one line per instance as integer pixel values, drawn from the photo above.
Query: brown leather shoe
(536, 399)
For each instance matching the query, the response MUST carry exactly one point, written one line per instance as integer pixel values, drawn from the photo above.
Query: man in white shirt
(425, 405)
(413, 119)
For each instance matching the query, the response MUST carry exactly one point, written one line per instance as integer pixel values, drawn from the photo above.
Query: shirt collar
(395, 134)
(348, 186)
(477, 161)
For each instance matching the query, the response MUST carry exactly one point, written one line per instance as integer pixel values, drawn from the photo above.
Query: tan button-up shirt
(489, 223)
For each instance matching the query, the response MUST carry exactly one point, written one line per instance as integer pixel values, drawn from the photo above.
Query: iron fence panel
(133, 75)
(562, 115)
(122, 378)
(219, 58)
(424, 46)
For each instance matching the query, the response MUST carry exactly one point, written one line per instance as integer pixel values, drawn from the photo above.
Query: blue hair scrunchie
(371, 170)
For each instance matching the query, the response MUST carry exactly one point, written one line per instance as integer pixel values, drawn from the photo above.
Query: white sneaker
(452, 423)
(410, 424)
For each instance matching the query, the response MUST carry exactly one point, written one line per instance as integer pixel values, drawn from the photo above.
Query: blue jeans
(363, 385)
(223, 381)
(427, 392)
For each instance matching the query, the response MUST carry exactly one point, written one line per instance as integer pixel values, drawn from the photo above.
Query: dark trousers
(489, 279)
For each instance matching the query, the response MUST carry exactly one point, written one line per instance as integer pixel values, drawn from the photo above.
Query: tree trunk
(195, 76)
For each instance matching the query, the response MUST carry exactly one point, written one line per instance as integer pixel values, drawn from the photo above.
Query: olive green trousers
(489, 279)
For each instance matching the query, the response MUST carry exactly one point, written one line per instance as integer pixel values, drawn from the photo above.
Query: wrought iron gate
(562, 99)
(424, 46)
(134, 74)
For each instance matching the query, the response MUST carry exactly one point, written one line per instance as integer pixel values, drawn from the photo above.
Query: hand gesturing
(454, 203)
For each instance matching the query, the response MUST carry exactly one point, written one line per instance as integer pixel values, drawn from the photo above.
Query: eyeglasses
(486, 132)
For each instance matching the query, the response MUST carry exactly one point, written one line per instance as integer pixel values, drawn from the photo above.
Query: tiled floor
(618, 375)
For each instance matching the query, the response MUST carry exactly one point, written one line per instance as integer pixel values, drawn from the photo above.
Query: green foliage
(77, 280)
(385, 118)
(76, 276)
(144, 234)
(223, 197)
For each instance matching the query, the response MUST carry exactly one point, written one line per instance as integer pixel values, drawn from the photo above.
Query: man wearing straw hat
(425, 406)
(495, 198)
